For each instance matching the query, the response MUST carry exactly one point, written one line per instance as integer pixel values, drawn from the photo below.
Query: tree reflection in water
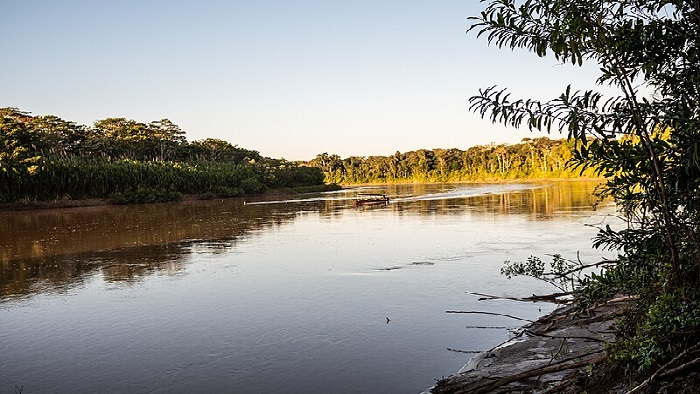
(58, 250)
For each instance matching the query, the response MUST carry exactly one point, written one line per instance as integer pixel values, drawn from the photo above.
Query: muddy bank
(555, 354)
(95, 202)
(31, 205)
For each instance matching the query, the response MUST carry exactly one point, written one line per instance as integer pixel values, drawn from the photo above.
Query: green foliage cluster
(662, 331)
(645, 139)
(45, 158)
(144, 195)
(532, 158)
(561, 273)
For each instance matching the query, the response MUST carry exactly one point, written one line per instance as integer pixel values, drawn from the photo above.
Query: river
(306, 293)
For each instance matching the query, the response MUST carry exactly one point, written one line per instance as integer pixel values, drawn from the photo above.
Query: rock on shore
(553, 354)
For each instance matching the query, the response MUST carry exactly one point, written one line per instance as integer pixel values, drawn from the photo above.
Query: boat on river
(371, 199)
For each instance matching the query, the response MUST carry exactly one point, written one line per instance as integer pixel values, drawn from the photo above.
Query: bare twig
(602, 317)
(680, 368)
(464, 351)
(534, 298)
(490, 327)
(492, 313)
(579, 268)
(535, 334)
(558, 352)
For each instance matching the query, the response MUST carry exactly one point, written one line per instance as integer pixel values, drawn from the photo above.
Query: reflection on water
(536, 201)
(37, 234)
(59, 273)
(52, 249)
(262, 295)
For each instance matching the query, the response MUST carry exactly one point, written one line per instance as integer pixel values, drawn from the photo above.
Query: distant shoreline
(98, 202)
(489, 181)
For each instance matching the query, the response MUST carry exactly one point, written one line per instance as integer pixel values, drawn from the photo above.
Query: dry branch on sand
(547, 355)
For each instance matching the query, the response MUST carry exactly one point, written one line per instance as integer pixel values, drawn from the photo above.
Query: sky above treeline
(288, 78)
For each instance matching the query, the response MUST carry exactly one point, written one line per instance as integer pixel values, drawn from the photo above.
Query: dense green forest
(46, 157)
(532, 158)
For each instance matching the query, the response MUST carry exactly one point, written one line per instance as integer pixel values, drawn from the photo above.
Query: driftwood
(492, 313)
(535, 334)
(551, 298)
(550, 368)
(680, 368)
(546, 355)
(491, 327)
(464, 351)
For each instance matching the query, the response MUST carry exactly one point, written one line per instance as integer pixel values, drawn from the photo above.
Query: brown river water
(266, 295)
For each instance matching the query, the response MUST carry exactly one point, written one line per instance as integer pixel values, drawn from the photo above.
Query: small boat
(371, 199)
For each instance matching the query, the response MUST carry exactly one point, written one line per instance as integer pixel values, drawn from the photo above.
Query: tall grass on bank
(125, 180)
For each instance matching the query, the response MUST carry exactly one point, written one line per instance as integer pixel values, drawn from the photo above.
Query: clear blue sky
(287, 78)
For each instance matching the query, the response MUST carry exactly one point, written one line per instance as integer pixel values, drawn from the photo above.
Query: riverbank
(92, 202)
(95, 202)
(558, 353)
(479, 181)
